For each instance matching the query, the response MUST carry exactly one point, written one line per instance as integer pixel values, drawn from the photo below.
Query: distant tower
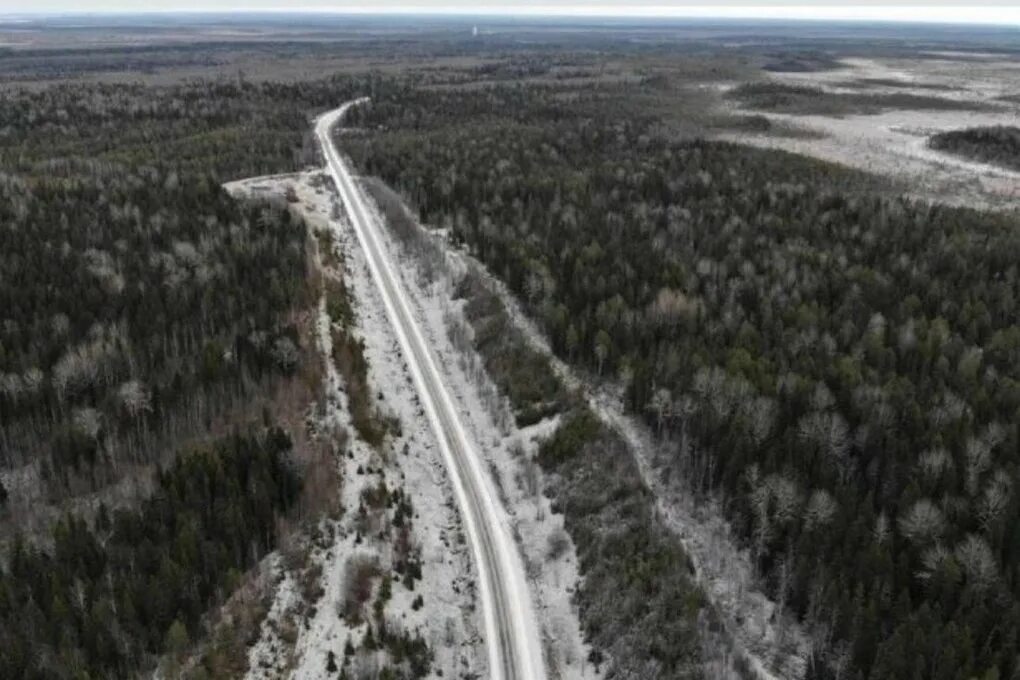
(474, 32)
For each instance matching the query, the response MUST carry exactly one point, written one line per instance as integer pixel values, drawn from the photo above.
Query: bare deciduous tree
(134, 397)
(977, 456)
(933, 463)
(882, 532)
(978, 563)
(994, 500)
(922, 522)
(830, 434)
(933, 559)
(821, 508)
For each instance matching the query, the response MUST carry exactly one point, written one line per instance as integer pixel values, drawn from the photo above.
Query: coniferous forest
(106, 599)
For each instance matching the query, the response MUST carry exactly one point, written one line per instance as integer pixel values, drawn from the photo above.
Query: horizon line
(1006, 16)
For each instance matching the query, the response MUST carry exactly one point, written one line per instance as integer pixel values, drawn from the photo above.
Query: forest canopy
(138, 300)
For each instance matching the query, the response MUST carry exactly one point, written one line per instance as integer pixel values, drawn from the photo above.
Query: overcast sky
(988, 11)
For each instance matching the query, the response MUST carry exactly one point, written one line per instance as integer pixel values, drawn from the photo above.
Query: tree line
(996, 144)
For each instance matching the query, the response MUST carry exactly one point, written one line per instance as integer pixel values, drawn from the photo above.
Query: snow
(448, 618)
(952, 77)
(447, 570)
(512, 639)
(895, 143)
(269, 657)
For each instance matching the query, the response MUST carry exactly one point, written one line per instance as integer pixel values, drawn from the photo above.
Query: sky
(1001, 12)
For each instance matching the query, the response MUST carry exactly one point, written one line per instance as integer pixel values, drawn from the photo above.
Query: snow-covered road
(511, 629)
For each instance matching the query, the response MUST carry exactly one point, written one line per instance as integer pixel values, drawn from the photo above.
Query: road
(510, 628)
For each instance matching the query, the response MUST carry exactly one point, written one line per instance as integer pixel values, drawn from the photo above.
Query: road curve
(511, 630)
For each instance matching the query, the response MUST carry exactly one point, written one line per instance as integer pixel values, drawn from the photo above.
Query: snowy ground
(894, 143)
(296, 639)
(512, 633)
(549, 554)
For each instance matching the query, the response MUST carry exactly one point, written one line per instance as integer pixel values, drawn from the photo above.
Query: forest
(139, 301)
(999, 144)
(108, 598)
(841, 365)
(147, 323)
(809, 100)
(643, 614)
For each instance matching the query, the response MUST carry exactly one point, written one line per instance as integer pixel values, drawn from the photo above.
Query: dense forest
(107, 599)
(144, 315)
(121, 312)
(999, 144)
(641, 609)
(843, 366)
(810, 100)
(138, 300)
